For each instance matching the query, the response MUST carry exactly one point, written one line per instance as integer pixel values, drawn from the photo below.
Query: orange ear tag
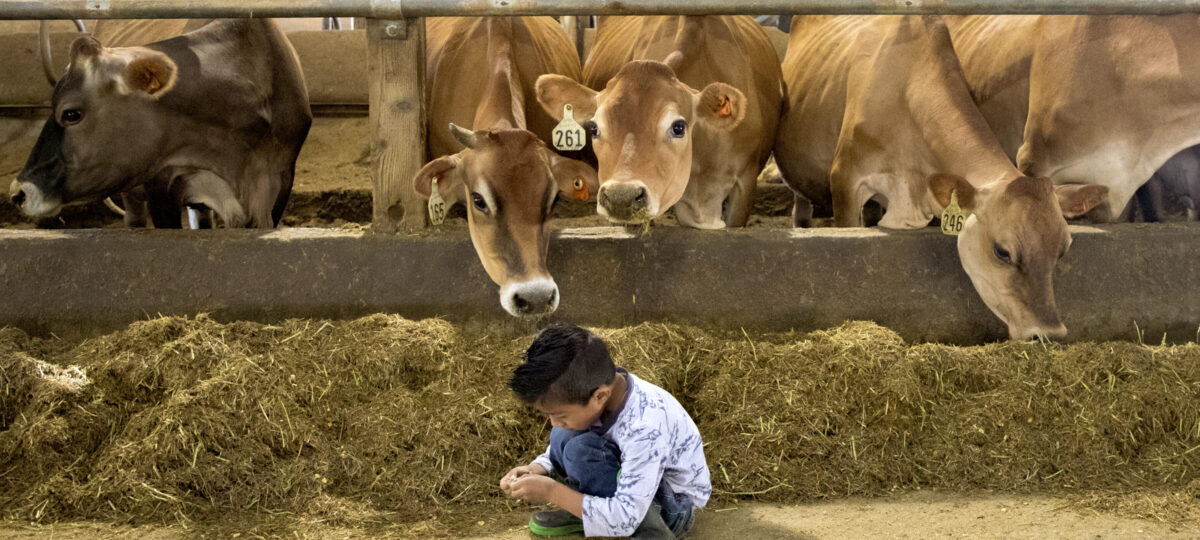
(726, 109)
(581, 190)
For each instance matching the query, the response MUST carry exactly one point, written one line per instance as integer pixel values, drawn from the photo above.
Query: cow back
(461, 56)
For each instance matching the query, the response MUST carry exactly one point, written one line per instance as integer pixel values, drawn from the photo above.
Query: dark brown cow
(213, 118)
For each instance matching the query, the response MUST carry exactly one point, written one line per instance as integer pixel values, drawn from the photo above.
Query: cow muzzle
(624, 202)
(1047, 331)
(530, 298)
(32, 201)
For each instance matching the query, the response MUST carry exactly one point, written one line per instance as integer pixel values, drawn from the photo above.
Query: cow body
(481, 75)
(878, 108)
(135, 32)
(661, 142)
(213, 118)
(1095, 99)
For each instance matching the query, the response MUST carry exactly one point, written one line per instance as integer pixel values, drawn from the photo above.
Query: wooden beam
(396, 60)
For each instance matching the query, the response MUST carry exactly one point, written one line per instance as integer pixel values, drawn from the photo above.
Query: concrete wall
(83, 281)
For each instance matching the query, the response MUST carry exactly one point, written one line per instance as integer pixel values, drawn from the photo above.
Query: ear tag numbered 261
(437, 206)
(953, 217)
(568, 134)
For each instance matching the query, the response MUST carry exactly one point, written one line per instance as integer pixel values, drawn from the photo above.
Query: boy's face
(574, 416)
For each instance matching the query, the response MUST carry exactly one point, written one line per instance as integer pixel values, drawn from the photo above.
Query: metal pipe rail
(397, 9)
(396, 50)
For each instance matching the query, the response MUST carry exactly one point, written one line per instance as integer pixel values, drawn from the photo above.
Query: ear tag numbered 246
(437, 206)
(568, 134)
(953, 217)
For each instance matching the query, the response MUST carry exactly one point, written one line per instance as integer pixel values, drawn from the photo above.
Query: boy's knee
(587, 447)
(560, 436)
(592, 461)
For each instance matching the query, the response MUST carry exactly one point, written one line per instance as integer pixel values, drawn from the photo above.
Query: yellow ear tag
(568, 134)
(437, 206)
(953, 217)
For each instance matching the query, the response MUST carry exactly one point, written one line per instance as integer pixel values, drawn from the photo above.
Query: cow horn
(463, 135)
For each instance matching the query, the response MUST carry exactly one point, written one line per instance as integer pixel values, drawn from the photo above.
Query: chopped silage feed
(387, 419)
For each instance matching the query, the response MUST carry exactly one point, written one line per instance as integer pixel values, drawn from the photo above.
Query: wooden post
(396, 60)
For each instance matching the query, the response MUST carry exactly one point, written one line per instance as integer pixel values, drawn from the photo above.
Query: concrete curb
(1116, 279)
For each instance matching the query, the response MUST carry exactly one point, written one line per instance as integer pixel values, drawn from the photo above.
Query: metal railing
(396, 9)
(396, 49)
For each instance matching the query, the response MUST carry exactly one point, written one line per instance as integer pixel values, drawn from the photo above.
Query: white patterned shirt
(658, 442)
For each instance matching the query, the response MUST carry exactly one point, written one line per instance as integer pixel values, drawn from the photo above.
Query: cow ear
(448, 171)
(942, 185)
(575, 179)
(85, 47)
(555, 91)
(152, 74)
(721, 106)
(1077, 199)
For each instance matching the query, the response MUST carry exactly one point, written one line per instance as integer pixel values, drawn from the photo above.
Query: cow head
(509, 180)
(1011, 242)
(101, 136)
(642, 128)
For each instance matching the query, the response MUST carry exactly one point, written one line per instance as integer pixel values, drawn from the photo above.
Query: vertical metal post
(396, 62)
(575, 27)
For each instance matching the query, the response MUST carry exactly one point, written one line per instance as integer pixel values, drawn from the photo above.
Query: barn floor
(913, 515)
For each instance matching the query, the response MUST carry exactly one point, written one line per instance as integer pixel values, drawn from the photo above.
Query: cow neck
(951, 123)
(503, 105)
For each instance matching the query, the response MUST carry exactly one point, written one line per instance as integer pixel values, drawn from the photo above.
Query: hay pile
(385, 419)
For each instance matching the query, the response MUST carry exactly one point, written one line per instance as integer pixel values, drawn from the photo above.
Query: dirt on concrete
(923, 514)
(332, 187)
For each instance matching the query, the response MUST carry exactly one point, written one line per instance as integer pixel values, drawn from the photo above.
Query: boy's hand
(533, 488)
(507, 480)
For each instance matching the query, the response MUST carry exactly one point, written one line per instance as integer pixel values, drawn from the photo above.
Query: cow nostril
(19, 198)
(521, 304)
(553, 296)
(639, 200)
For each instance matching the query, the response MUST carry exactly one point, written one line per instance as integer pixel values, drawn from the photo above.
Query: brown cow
(1099, 99)
(659, 141)
(215, 118)
(124, 33)
(481, 73)
(877, 108)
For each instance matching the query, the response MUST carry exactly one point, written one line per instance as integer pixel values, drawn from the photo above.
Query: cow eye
(71, 116)
(1001, 253)
(480, 204)
(678, 129)
(592, 128)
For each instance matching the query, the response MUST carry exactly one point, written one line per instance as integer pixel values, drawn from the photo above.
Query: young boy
(632, 457)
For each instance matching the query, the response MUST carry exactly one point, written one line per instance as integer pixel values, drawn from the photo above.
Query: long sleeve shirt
(659, 442)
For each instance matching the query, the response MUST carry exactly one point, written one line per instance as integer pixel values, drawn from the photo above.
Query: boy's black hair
(565, 364)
